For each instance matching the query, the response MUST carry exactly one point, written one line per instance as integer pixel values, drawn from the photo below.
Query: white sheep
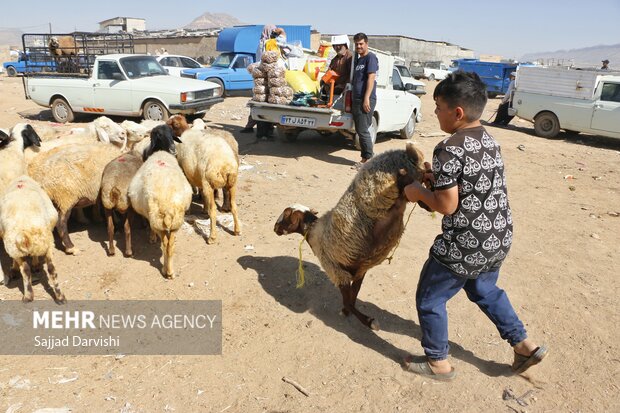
(27, 219)
(114, 195)
(71, 176)
(160, 192)
(12, 145)
(363, 227)
(210, 164)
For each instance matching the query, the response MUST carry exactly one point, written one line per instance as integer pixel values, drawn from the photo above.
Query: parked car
(174, 64)
(406, 77)
(397, 110)
(436, 70)
(573, 100)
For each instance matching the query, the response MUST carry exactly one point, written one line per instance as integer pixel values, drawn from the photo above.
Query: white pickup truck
(121, 84)
(573, 100)
(397, 109)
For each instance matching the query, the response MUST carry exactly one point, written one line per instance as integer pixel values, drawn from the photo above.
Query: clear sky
(508, 28)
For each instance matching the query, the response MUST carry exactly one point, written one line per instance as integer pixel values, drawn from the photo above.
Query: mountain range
(584, 57)
(213, 21)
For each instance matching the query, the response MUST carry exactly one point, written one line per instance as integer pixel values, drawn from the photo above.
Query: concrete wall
(414, 49)
(200, 48)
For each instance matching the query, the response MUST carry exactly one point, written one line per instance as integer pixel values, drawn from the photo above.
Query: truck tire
(431, 77)
(219, 83)
(546, 125)
(11, 72)
(373, 134)
(287, 134)
(409, 129)
(155, 110)
(61, 111)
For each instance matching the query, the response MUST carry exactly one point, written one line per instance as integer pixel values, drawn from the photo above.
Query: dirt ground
(559, 275)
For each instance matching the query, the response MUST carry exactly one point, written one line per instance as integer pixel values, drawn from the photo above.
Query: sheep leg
(24, 269)
(110, 222)
(63, 232)
(346, 307)
(36, 265)
(152, 237)
(232, 196)
(80, 216)
(349, 296)
(170, 253)
(226, 207)
(211, 208)
(165, 249)
(127, 228)
(53, 279)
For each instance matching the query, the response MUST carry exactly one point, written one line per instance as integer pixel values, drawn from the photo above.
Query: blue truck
(495, 75)
(28, 63)
(237, 46)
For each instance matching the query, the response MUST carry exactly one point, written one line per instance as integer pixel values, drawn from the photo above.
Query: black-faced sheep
(27, 219)
(160, 192)
(365, 225)
(12, 146)
(71, 176)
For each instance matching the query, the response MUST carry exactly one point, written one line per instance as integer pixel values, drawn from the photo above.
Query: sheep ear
(413, 152)
(102, 135)
(176, 139)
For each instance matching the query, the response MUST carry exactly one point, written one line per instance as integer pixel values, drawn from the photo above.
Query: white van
(569, 99)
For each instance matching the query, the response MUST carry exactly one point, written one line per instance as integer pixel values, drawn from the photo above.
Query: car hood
(209, 71)
(411, 80)
(172, 84)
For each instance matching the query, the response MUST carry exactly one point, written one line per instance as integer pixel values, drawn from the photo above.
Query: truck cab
(237, 46)
(495, 75)
(229, 71)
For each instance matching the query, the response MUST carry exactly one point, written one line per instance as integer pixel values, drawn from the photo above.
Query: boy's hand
(412, 192)
(428, 179)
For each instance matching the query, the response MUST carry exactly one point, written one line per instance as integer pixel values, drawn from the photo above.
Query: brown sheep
(365, 225)
(62, 46)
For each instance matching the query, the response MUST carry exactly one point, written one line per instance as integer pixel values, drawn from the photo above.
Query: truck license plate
(297, 121)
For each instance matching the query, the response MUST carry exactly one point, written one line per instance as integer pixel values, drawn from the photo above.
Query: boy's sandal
(522, 363)
(424, 369)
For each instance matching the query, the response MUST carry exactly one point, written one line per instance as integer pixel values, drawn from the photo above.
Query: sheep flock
(123, 170)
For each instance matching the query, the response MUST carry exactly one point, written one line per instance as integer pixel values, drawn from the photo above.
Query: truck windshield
(223, 60)
(142, 66)
(404, 71)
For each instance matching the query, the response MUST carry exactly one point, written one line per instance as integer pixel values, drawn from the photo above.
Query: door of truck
(606, 110)
(111, 89)
(239, 77)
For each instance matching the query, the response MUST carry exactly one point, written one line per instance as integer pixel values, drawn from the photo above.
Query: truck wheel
(220, 84)
(373, 134)
(287, 134)
(11, 72)
(409, 129)
(546, 125)
(61, 111)
(431, 77)
(155, 110)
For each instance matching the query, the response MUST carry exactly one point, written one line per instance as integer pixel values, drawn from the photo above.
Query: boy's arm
(444, 201)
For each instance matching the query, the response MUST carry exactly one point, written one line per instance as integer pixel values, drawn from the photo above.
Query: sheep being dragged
(363, 227)
(114, 195)
(160, 192)
(27, 219)
(12, 146)
(71, 176)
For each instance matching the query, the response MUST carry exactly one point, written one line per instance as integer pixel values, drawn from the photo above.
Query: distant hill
(585, 57)
(10, 37)
(213, 21)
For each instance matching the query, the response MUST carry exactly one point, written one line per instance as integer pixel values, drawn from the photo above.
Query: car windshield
(223, 60)
(404, 71)
(142, 66)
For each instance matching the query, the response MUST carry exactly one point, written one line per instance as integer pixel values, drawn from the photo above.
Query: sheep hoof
(237, 232)
(72, 251)
(111, 252)
(27, 298)
(374, 325)
(344, 312)
(211, 240)
(129, 253)
(60, 299)
(170, 276)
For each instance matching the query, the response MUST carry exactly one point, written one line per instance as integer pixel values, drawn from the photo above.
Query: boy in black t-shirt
(469, 188)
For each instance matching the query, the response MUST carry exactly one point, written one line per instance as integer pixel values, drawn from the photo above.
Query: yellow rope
(389, 259)
(300, 271)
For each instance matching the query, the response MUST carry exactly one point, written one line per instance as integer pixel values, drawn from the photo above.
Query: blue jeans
(438, 284)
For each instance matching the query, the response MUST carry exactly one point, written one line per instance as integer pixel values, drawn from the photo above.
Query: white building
(122, 24)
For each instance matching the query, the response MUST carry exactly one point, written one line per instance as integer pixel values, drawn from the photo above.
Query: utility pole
(50, 27)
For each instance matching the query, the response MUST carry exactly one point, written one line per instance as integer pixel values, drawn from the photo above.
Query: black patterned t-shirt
(477, 237)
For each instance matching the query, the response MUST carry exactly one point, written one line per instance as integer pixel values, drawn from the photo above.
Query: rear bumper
(198, 106)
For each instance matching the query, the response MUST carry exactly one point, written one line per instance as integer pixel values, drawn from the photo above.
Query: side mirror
(409, 87)
(167, 71)
(118, 76)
